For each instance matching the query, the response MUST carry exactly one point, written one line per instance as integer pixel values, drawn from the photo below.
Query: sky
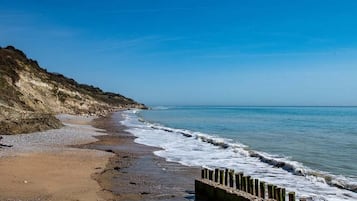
(195, 52)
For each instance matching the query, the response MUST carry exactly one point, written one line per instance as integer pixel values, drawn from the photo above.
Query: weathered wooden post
(206, 173)
(236, 177)
(241, 180)
(247, 183)
(292, 196)
(221, 176)
(216, 175)
(226, 177)
(244, 179)
(270, 191)
(274, 192)
(251, 186)
(283, 192)
(256, 187)
(277, 193)
(231, 178)
(202, 173)
(210, 175)
(262, 189)
(238, 180)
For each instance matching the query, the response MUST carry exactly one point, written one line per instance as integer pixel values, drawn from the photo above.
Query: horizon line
(209, 105)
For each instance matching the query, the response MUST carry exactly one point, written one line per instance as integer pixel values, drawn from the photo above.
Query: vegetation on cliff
(30, 96)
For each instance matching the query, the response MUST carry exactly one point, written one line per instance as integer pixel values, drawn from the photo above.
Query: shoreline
(90, 158)
(135, 173)
(227, 154)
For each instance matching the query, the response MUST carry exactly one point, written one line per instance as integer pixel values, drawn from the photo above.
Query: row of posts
(247, 184)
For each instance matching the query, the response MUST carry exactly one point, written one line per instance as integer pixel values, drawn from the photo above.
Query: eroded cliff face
(30, 96)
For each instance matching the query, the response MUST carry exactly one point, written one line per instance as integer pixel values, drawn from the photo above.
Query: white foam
(160, 108)
(192, 151)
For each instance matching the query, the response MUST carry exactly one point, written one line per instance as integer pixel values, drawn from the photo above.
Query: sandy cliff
(30, 96)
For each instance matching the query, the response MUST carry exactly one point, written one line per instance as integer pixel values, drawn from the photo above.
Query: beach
(43, 166)
(135, 173)
(82, 162)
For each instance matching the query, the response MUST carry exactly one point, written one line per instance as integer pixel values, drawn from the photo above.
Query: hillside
(30, 96)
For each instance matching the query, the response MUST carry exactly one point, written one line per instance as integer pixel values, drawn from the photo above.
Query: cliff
(30, 96)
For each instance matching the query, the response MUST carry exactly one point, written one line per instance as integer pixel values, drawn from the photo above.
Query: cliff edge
(30, 96)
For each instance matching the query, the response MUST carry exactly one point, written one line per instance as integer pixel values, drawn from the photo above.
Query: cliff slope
(30, 96)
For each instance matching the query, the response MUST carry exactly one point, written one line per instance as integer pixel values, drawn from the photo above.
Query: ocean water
(309, 150)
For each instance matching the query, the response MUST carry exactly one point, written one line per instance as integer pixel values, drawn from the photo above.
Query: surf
(201, 149)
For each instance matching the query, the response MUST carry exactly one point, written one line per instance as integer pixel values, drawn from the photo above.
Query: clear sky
(196, 52)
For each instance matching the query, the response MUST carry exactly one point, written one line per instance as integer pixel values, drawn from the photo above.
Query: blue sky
(199, 52)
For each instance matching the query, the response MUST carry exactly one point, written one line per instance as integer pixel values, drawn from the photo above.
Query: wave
(277, 162)
(290, 166)
(160, 108)
(336, 181)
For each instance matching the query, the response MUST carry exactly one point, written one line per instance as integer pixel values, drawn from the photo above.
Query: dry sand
(41, 166)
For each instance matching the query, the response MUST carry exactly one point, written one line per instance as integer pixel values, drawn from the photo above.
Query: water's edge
(324, 186)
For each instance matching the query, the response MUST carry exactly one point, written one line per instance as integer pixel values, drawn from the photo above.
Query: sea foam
(199, 149)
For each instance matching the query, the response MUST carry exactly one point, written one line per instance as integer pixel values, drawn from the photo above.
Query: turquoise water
(308, 150)
(321, 138)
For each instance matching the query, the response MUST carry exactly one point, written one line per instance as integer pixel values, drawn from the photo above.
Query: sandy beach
(135, 173)
(82, 162)
(43, 166)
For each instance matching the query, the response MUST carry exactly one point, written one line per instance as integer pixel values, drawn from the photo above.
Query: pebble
(51, 140)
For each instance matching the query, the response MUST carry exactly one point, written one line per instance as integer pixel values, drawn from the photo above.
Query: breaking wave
(200, 149)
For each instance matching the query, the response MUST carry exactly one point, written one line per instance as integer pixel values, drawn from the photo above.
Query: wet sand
(135, 173)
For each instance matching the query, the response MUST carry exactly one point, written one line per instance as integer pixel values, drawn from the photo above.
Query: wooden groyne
(226, 185)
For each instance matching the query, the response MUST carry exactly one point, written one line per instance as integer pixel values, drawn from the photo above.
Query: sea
(311, 151)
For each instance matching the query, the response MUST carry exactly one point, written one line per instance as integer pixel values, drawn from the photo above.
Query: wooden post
(240, 177)
(247, 178)
(248, 184)
(277, 193)
(270, 191)
(241, 180)
(283, 194)
(262, 189)
(244, 178)
(202, 173)
(250, 181)
(206, 173)
(226, 178)
(292, 196)
(221, 176)
(231, 180)
(237, 180)
(251, 186)
(210, 175)
(274, 193)
(256, 187)
(216, 175)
